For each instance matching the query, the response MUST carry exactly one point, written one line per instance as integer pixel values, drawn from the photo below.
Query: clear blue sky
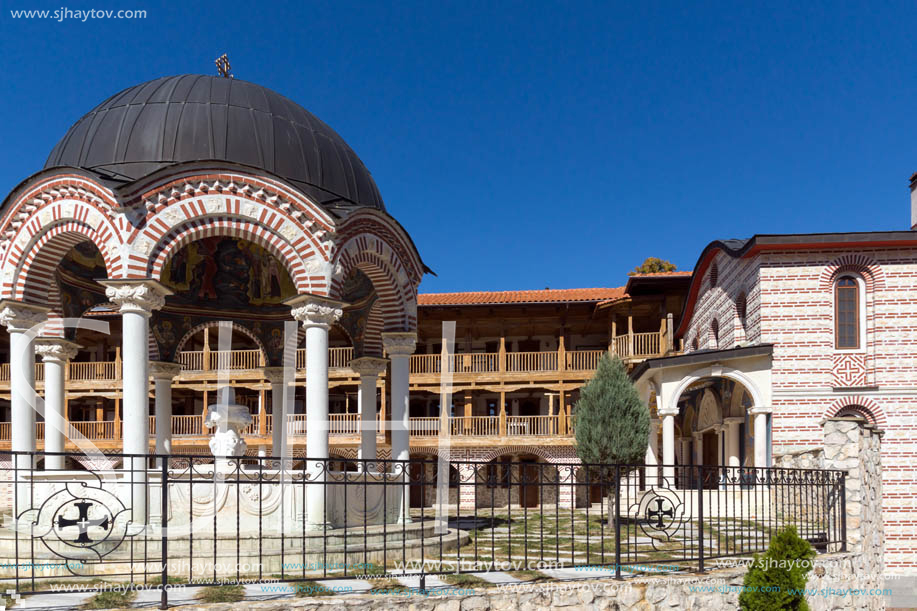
(531, 144)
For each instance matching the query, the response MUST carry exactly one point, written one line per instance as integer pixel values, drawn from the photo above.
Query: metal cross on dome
(223, 66)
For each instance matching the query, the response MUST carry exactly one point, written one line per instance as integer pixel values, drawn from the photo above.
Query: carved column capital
(18, 316)
(399, 343)
(55, 349)
(315, 311)
(161, 370)
(274, 375)
(139, 296)
(368, 366)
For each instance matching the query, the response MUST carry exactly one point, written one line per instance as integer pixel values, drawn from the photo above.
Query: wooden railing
(531, 425)
(425, 426)
(639, 345)
(344, 424)
(98, 430)
(5, 372)
(583, 360)
(531, 361)
(99, 370)
(188, 425)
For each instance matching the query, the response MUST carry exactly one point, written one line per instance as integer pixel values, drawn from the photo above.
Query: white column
(760, 418)
(163, 373)
(317, 314)
(698, 448)
(369, 369)
(732, 442)
(668, 446)
(399, 347)
(652, 455)
(137, 300)
(274, 375)
(55, 353)
(20, 319)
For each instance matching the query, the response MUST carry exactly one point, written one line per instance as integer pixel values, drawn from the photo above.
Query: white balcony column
(21, 320)
(274, 375)
(163, 373)
(400, 346)
(316, 314)
(137, 300)
(732, 442)
(760, 418)
(55, 352)
(668, 445)
(369, 369)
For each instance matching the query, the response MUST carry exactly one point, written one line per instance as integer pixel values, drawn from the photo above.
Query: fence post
(843, 511)
(700, 518)
(164, 494)
(617, 483)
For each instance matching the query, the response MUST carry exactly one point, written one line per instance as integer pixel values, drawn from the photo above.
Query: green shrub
(777, 579)
(222, 594)
(110, 600)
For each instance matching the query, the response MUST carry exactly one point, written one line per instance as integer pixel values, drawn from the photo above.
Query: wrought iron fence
(73, 519)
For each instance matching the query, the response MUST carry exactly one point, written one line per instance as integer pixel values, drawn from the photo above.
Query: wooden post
(206, 353)
(662, 337)
(469, 405)
(501, 357)
(118, 362)
(204, 412)
(670, 332)
(612, 344)
(561, 354)
(262, 414)
(630, 335)
(561, 414)
(117, 418)
(502, 414)
(554, 425)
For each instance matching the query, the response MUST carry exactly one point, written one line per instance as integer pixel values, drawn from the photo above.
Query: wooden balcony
(191, 428)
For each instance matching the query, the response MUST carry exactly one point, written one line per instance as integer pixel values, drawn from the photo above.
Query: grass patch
(155, 581)
(110, 600)
(527, 575)
(470, 581)
(222, 594)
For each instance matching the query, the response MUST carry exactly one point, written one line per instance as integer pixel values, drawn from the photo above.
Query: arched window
(715, 332)
(714, 274)
(848, 313)
(742, 308)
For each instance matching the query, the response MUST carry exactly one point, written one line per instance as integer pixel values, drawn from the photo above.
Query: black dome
(191, 117)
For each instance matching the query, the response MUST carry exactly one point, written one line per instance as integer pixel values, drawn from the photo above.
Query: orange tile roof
(662, 274)
(505, 297)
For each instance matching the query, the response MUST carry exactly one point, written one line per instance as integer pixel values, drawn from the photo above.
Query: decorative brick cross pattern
(849, 370)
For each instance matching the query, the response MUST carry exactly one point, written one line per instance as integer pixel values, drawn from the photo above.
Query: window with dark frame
(846, 313)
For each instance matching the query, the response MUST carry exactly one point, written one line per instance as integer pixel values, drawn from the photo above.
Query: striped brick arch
(864, 406)
(396, 294)
(872, 273)
(35, 279)
(226, 226)
(236, 328)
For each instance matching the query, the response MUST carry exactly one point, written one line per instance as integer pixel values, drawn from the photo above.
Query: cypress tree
(612, 423)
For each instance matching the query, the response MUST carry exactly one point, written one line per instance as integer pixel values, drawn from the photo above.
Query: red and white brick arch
(40, 228)
(236, 327)
(864, 406)
(860, 264)
(301, 244)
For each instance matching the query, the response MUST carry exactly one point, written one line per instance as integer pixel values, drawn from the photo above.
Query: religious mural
(221, 272)
(359, 293)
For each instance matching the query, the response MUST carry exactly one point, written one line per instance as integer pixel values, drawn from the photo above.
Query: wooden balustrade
(583, 360)
(94, 371)
(97, 430)
(5, 372)
(639, 345)
(188, 425)
(339, 358)
(344, 424)
(191, 360)
(531, 425)
(235, 360)
(296, 425)
(531, 361)
(425, 426)
(426, 363)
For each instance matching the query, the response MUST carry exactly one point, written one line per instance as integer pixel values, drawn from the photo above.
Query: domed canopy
(179, 119)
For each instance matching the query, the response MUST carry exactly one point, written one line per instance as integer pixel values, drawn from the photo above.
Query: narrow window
(847, 316)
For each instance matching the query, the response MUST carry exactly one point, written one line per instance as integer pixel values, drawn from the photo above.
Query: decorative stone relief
(399, 344)
(135, 297)
(318, 313)
(21, 317)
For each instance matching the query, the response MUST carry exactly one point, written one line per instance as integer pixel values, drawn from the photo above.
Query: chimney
(914, 201)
